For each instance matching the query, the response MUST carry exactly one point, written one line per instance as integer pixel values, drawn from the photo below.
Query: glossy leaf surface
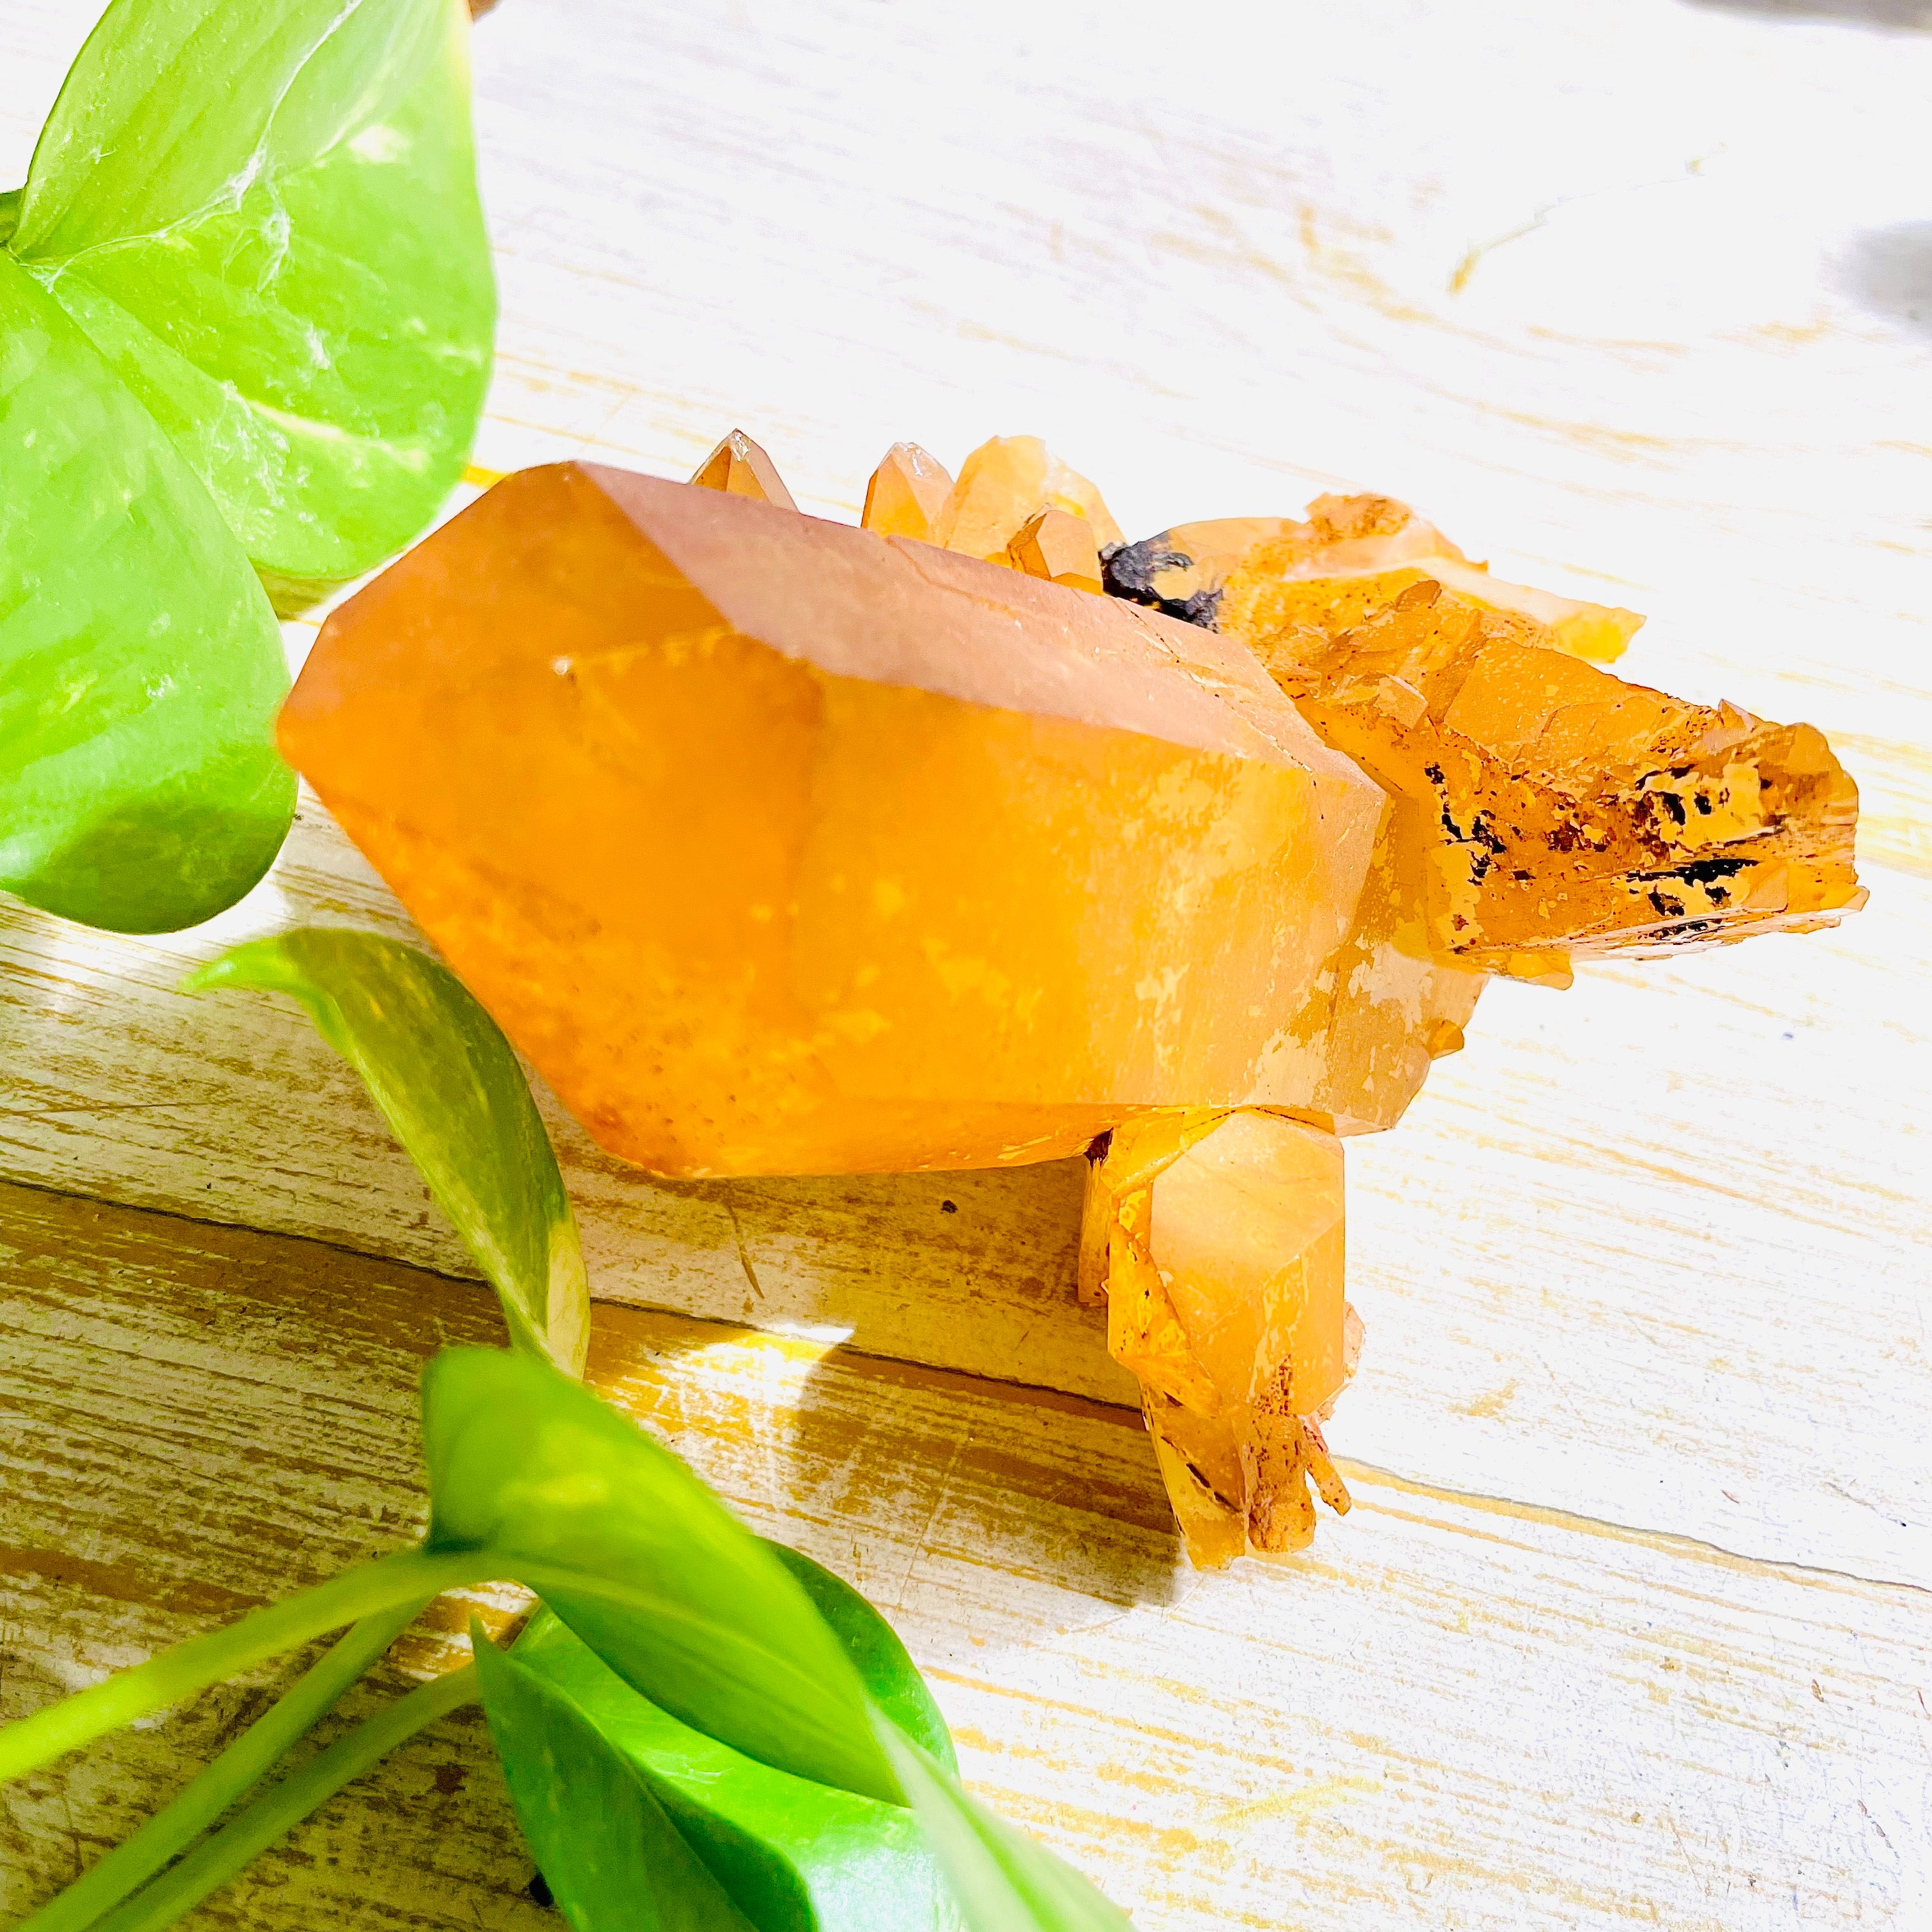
(140, 662)
(446, 1081)
(266, 218)
(794, 1856)
(1005, 1882)
(525, 1463)
(891, 1679)
(613, 1860)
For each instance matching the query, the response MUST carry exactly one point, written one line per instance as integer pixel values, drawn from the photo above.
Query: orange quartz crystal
(1567, 813)
(784, 847)
(1213, 573)
(1059, 547)
(1002, 485)
(739, 467)
(1217, 1240)
(781, 847)
(907, 494)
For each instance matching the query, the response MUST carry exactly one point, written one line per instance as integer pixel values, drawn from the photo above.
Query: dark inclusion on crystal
(1128, 570)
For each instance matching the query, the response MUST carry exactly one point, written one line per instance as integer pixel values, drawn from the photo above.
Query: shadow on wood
(1889, 272)
(1896, 14)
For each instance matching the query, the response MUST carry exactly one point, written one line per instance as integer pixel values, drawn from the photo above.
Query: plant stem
(279, 1810)
(408, 1577)
(132, 1863)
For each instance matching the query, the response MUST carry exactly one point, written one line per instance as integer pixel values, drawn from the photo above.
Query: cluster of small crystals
(1570, 813)
(1548, 810)
(1215, 1241)
(1015, 504)
(837, 856)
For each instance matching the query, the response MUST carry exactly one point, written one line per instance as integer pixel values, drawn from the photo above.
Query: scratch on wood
(744, 1254)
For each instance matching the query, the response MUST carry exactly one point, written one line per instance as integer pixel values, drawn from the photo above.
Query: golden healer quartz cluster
(1571, 813)
(976, 836)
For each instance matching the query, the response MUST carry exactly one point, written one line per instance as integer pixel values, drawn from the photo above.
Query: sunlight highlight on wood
(1212, 1745)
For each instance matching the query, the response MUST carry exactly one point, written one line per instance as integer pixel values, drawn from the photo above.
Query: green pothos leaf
(445, 1080)
(537, 1471)
(246, 312)
(891, 1679)
(266, 218)
(139, 661)
(791, 1855)
(614, 1860)
(691, 1745)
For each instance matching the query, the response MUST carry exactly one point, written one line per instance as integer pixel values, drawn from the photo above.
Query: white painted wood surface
(1453, 1713)
(1651, 1253)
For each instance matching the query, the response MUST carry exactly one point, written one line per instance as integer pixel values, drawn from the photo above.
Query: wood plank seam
(906, 1372)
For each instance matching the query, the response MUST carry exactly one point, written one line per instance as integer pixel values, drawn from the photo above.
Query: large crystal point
(781, 847)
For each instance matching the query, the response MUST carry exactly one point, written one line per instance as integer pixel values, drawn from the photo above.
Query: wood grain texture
(1453, 1713)
(1632, 301)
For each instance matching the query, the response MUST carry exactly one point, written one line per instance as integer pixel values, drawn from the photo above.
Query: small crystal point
(1059, 547)
(1221, 1238)
(739, 468)
(907, 494)
(1007, 481)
